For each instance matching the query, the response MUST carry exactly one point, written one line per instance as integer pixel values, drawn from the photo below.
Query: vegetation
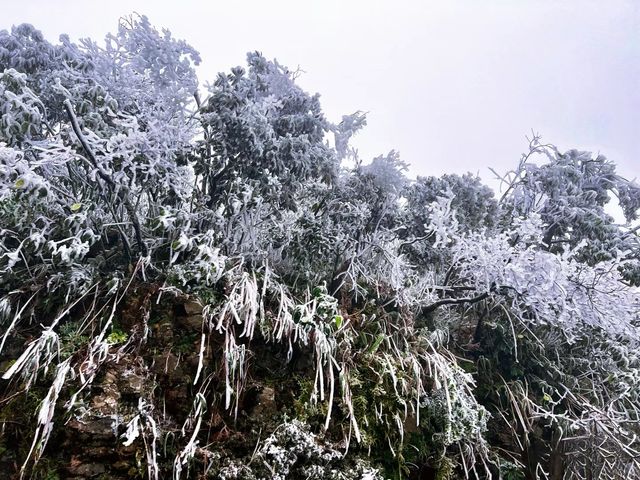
(211, 284)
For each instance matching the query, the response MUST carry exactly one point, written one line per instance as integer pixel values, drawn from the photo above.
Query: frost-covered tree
(473, 203)
(570, 191)
(203, 283)
(262, 129)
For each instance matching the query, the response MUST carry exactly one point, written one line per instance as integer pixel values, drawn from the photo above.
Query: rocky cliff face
(144, 416)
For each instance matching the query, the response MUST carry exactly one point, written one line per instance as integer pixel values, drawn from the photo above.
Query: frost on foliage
(116, 176)
(144, 425)
(560, 289)
(347, 128)
(194, 422)
(292, 450)
(387, 172)
(46, 412)
(443, 224)
(569, 191)
(21, 112)
(38, 355)
(262, 128)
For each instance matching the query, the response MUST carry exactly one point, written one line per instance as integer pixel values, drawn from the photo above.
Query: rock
(193, 307)
(191, 322)
(167, 364)
(107, 403)
(163, 332)
(410, 424)
(122, 466)
(131, 382)
(98, 452)
(95, 426)
(77, 466)
(265, 403)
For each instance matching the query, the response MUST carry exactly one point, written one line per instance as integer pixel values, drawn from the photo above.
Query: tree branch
(457, 301)
(453, 301)
(85, 145)
(122, 192)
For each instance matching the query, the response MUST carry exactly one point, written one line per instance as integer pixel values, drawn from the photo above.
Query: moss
(185, 344)
(381, 438)
(47, 469)
(310, 412)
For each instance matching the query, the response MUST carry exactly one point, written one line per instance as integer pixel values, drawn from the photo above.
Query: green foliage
(186, 343)
(71, 339)
(510, 471)
(117, 336)
(47, 470)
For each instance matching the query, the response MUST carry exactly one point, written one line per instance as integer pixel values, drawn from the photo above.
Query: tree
(473, 204)
(570, 193)
(262, 128)
(292, 311)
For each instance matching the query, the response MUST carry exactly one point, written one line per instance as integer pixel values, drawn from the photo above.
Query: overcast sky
(454, 86)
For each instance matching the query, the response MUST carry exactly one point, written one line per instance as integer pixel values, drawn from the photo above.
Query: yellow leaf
(20, 183)
(75, 207)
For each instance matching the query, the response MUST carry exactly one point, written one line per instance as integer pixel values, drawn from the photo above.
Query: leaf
(20, 183)
(75, 207)
(546, 397)
(374, 347)
(338, 319)
(117, 336)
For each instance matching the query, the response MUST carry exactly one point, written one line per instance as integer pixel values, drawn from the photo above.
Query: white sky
(453, 85)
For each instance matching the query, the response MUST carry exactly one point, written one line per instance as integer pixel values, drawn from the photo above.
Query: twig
(454, 301)
(123, 191)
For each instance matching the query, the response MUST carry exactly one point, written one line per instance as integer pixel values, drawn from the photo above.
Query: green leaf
(338, 319)
(117, 336)
(546, 397)
(75, 207)
(374, 347)
(20, 183)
